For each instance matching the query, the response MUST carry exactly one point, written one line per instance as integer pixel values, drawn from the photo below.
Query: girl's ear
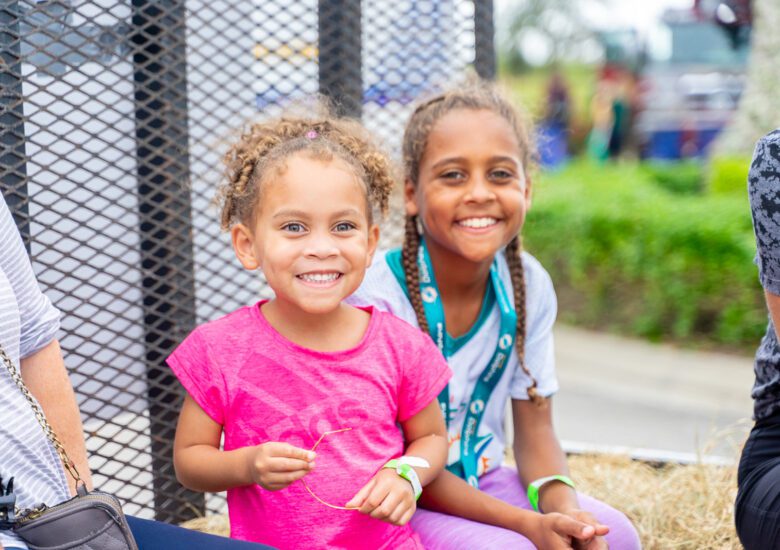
(243, 245)
(373, 242)
(410, 196)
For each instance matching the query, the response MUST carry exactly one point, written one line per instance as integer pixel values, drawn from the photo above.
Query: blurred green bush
(685, 177)
(629, 256)
(728, 175)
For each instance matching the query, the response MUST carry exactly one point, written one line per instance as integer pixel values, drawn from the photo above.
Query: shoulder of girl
(534, 270)
(217, 328)
(401, 330)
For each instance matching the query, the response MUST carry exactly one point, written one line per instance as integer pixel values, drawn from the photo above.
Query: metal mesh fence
(114, 115)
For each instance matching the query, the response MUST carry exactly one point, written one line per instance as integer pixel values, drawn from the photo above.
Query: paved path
(630, 393)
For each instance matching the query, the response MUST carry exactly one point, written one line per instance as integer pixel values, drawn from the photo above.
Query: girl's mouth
(478, 224)
(320, 279)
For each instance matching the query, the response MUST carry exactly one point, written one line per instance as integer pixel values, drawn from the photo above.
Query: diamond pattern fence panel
(114, 116)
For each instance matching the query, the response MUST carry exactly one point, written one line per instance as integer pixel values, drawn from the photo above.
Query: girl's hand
(597, 542)
(556, 531)
(387, 496)
(275, 465)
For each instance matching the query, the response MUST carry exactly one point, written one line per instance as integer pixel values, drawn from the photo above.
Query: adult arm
(47, 379)
(773, 303)
(41, 364)
(764, 196)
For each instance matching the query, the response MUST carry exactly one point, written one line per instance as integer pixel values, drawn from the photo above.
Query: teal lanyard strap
(434, 313)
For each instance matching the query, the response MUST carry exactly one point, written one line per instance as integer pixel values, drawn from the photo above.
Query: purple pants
(444, 532)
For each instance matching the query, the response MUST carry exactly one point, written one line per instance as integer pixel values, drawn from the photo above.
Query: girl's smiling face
(471, 193)
(311, 235)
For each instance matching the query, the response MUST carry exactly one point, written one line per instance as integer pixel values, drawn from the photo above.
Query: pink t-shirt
(261, 387)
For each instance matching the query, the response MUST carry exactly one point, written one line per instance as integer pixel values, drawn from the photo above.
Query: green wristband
(407, 472)
(534, 486)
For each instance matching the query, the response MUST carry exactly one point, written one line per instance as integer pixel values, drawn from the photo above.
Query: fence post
(340, 55)
(167, 265)
(13, 163)
(484, 39)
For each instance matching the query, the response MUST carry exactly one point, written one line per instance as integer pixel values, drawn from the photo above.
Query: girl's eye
(344, 226)
(502, 174)
(453, 176)
(294, 227)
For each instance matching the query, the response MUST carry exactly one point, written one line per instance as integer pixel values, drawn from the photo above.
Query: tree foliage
(559, 27)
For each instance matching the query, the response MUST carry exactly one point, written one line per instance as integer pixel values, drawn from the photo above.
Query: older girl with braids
(462, 277)
(277, 377)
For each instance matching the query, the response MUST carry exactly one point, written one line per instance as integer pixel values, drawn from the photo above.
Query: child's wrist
(557, 496)
(526, 522)
(246, 460)
(405, 468)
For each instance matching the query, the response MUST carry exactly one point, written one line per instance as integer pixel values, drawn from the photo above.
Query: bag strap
(70, 467)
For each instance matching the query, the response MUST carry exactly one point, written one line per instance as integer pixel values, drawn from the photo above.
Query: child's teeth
(319, 277)
(478, 222)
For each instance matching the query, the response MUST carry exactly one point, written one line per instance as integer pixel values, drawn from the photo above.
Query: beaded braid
(475, 95)
(409, 251)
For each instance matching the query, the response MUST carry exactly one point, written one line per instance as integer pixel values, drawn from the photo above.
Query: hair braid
(238, 187)
(409, 251)
(517, 273)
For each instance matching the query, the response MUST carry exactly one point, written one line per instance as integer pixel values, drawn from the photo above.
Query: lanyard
(434, 313)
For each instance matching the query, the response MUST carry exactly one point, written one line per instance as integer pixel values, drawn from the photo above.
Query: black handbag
(91, 520)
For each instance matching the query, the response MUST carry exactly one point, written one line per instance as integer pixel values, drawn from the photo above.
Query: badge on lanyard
(434, 313)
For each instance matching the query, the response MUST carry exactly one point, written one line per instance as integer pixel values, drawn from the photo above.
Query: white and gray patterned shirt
(28, 322)
(764, 194)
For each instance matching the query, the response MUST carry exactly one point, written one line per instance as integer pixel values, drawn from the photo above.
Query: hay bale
(674, 507)
(215, 525)
(685, 507)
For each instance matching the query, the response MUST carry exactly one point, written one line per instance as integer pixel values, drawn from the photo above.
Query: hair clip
(312, 134)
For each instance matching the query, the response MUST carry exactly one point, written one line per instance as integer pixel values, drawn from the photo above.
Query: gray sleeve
(39, 319)
(764, 195)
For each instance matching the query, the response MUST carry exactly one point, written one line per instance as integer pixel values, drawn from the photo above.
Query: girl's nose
(320, 246)
(480, 190)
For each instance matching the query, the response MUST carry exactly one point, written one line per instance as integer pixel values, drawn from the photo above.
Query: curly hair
(475, 95)
(263, 148)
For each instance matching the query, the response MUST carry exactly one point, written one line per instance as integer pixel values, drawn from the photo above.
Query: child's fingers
(387, 507)
(406, 518)
(567, 526)
(590, 519)
(279, 449)
(400, 511)
(374, 499)
(277, 481)
(287, 477)
(360, 497)
(284, 464)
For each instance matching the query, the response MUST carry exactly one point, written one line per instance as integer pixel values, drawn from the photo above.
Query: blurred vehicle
(692, 78)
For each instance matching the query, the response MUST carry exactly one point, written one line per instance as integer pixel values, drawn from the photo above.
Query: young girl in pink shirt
(305, 375)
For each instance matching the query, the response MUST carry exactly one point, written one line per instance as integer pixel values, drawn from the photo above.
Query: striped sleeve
(39, 319)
